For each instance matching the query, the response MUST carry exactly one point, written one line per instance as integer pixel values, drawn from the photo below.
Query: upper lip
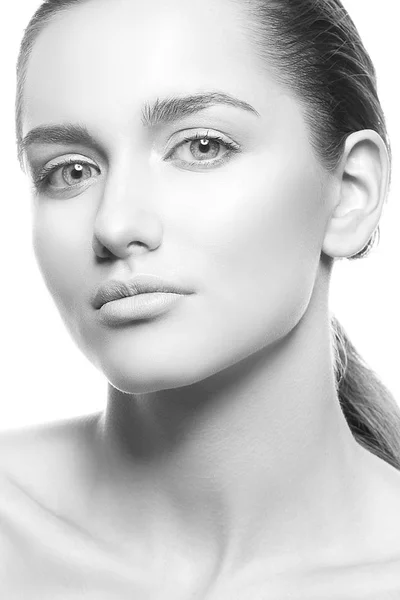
(115, 289)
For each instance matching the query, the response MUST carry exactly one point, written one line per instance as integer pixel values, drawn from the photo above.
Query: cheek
(58, 250)
(264, 244)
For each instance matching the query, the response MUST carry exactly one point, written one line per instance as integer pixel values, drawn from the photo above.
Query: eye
(206, 148)
(69, 173)
(73, 173)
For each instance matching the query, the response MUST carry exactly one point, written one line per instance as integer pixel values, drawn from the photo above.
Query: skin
(222, 423)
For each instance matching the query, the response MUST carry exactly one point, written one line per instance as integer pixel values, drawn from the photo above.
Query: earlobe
(357, 204)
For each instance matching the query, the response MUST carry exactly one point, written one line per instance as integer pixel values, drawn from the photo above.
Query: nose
(125, 223)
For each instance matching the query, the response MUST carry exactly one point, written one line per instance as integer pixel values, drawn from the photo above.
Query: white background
(44, 375)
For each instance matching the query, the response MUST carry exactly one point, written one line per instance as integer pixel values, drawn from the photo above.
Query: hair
(314, 49)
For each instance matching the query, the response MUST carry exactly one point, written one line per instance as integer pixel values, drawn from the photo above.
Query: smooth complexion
(223, 451)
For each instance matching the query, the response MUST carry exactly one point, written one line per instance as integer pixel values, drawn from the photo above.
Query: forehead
(106, 58)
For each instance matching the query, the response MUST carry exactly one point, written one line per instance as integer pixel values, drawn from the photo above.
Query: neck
(253, 461)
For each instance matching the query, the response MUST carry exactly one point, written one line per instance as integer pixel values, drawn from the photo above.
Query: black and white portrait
(201, 397)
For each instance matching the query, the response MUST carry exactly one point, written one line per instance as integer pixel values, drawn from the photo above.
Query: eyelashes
(209, 139)
(198, 144)
(42, 179)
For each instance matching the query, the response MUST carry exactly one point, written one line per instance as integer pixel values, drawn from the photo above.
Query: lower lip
(140, 306)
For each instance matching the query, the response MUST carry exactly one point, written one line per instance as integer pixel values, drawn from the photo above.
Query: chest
(44, 555)
(63, 565)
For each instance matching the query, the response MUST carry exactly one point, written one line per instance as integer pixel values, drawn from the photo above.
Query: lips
(115, 289)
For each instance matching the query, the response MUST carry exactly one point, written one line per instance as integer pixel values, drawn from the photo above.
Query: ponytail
(370, 409)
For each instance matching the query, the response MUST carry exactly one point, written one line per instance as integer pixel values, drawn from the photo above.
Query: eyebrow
(167, 110)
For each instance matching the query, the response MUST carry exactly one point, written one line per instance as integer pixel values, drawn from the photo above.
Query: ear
(358, 200)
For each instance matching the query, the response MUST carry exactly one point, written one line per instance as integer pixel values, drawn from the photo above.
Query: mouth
(141, 285)
(138, 307)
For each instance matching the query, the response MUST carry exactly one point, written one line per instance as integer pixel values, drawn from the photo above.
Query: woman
(218, 157)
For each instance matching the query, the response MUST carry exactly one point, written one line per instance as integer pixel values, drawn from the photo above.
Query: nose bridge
(128, 181)
(125, 216)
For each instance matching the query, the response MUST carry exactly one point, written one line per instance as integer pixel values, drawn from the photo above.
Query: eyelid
(183, 134)
(60, 160)
(41, 174)
(199, 132)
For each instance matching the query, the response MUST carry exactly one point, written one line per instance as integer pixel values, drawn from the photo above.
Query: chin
(150, 375)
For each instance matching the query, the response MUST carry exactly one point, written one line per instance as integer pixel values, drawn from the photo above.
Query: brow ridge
(161, 111)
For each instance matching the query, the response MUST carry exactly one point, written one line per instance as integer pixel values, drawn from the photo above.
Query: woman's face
(242, 227)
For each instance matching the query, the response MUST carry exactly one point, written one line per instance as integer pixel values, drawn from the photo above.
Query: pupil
(204, 145)
(77, 171)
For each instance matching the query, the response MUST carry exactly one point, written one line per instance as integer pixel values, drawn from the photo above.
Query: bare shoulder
(382, 490)
(40, 466)
(42, 433)
(46, 460)
(20, 445)
(381, 502)
(43, 549)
